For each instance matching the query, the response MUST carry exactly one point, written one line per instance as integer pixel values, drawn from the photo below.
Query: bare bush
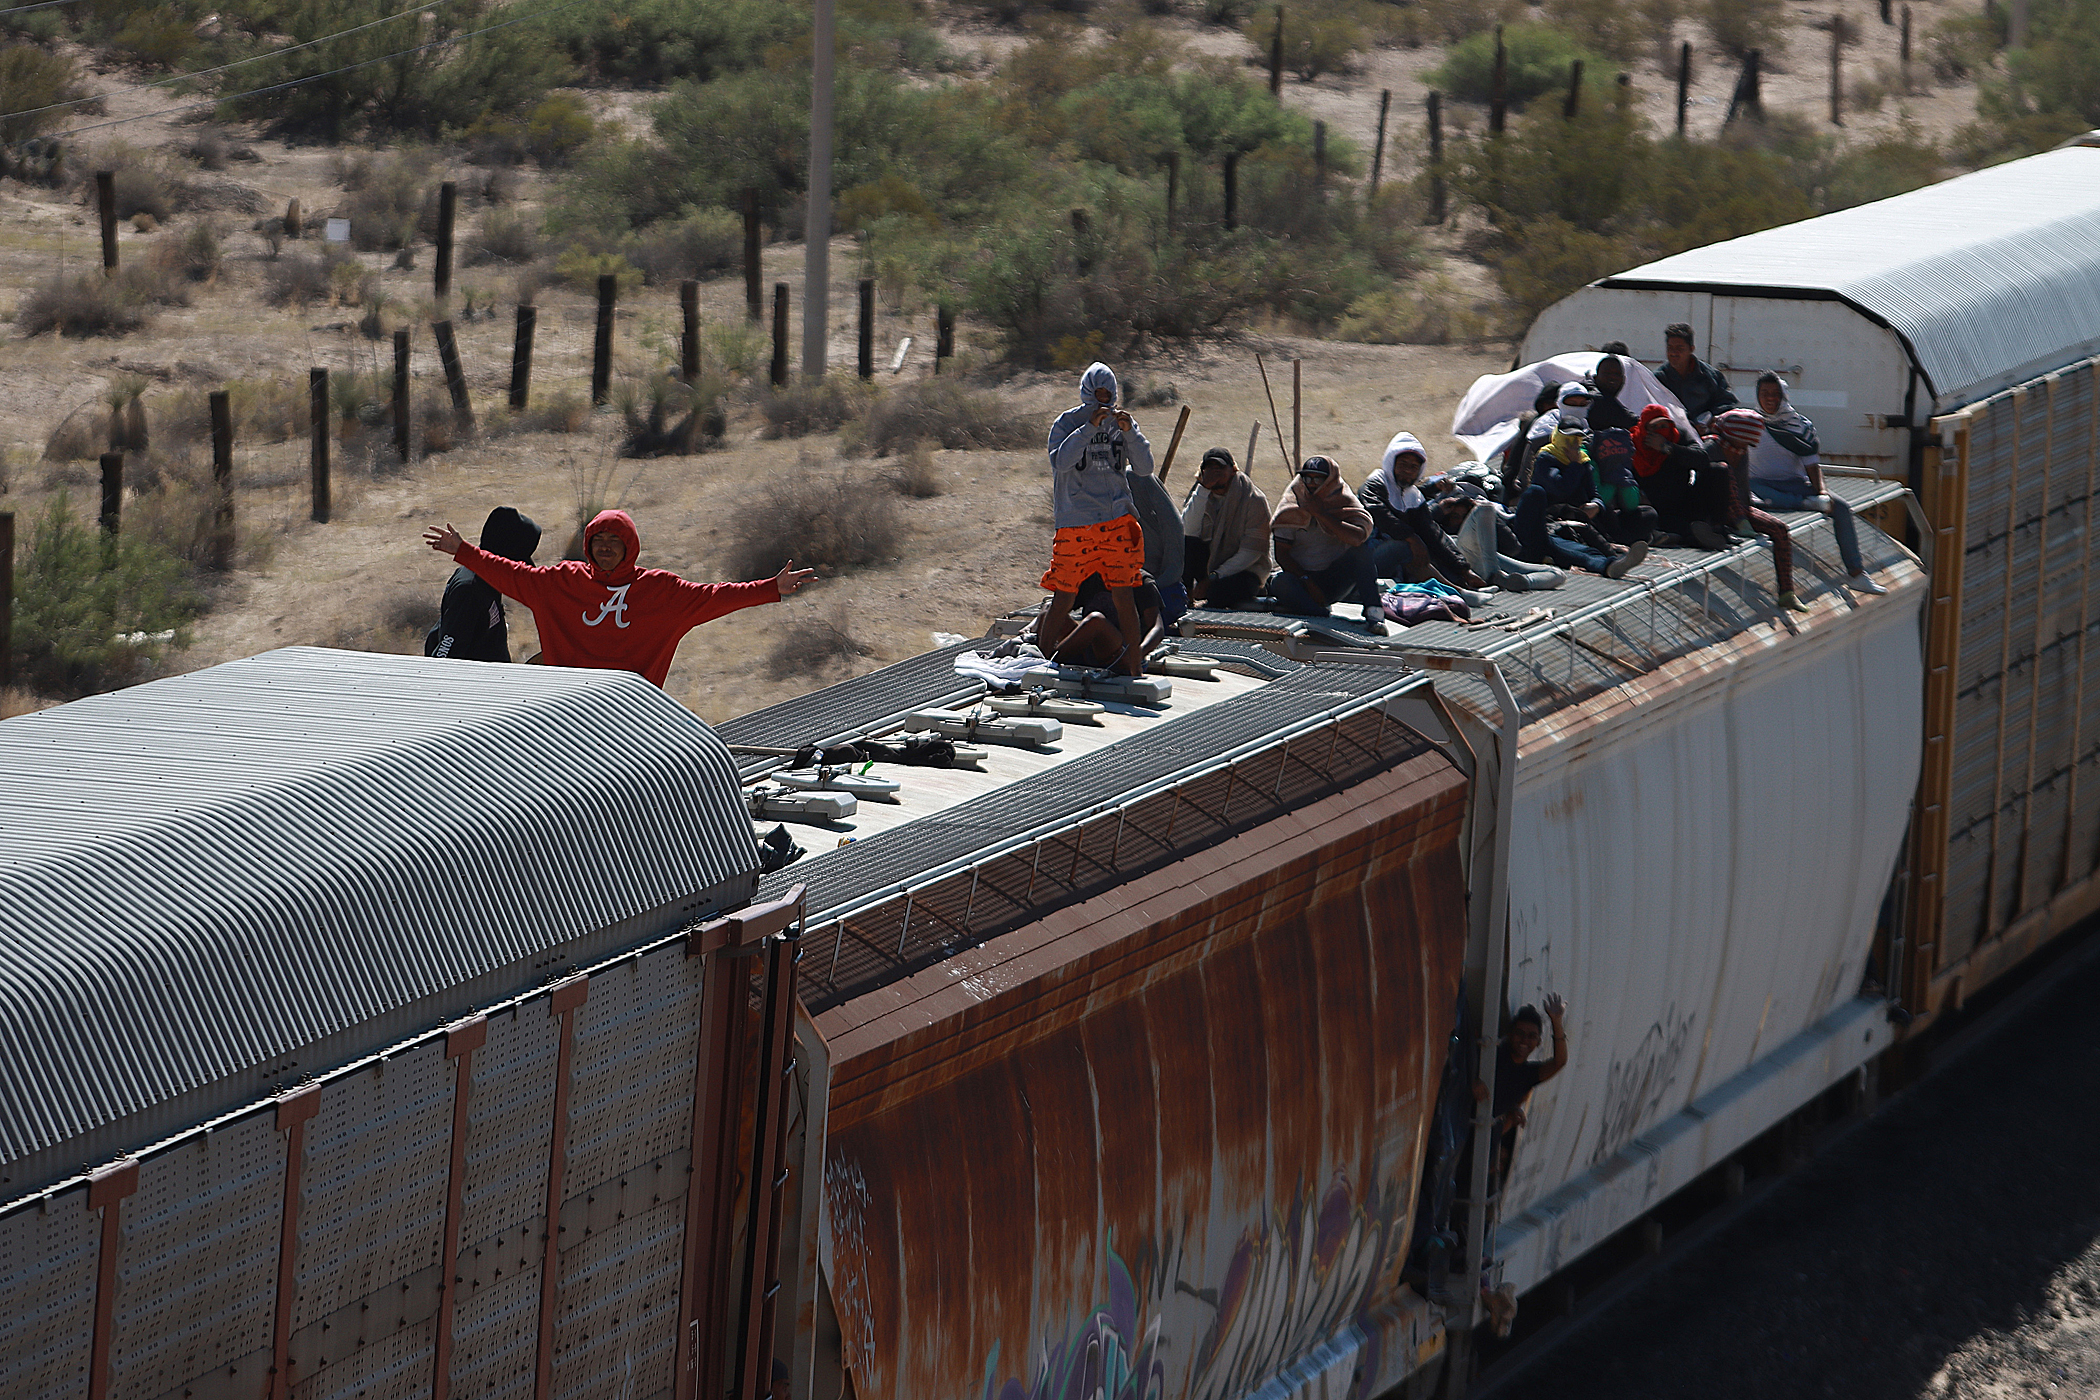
(940, 410)
(89, 304)
(917, 474)
(822, 406)
(302, 279)
(507, 236)
(829, 520)
(812, 642)
(397, 626)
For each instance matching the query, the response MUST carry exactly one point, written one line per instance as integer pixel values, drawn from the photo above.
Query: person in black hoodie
(470, 624)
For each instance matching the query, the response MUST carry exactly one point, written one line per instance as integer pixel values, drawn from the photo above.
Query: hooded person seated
(471, 625)
(1561, 464)
(602, 611)
(1516, 458)
(1406, 541)
(1786, 473)
(1322, 537)
(1225, 534)
(1687, 489)
(1165, 546)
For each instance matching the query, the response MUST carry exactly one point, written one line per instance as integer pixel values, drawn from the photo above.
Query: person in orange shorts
(1097, 523)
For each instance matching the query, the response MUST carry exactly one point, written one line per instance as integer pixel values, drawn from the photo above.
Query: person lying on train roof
(1323, 552)
(1095, 518)
(1786, 473)
(471, 625)
(1687, 488)
(1567, 543)
(1225, 534)
(1736, 430)
(1464, 504)
(1406, 541)
(602, 612)
(1094, 639)
(1702, 389)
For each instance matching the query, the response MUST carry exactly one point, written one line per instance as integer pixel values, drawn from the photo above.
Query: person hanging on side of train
(1516, 1075)
(603, 612)
(471, 625)
(1095, 517)
(1407, 544)
(1225, 534)
(1687, 488)
(1737, 429)
(1322, 535)
(1786, 473)
(1702, 389)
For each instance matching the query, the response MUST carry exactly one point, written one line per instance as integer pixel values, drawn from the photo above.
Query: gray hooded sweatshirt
(1086, 463)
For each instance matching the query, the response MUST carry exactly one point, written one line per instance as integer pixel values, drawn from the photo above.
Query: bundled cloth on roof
(1487, 416)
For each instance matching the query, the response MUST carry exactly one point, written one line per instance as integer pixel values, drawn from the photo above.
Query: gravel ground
(1950, 1247)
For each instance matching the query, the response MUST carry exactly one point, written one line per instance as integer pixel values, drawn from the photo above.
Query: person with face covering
(1561, 464)
(470, 625)
(1094, 513)
(1688, 489)
(1407, 543)
(1786, 473)
(1322, 535)
(602, 611)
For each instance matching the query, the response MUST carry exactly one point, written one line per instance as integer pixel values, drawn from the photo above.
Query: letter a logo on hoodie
(615, 607)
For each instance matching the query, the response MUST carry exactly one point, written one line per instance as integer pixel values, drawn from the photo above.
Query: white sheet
(1487, 416)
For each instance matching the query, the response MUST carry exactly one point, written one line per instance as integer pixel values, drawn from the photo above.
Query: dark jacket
(1419, 523)
(470, 623)
(1607, 412)
(1571, 484)
(1703, 392)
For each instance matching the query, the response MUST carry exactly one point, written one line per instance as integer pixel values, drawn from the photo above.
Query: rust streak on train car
(562, 1001)
(461, 1041)
(107, 1189)
(1165, 1138)
(294, 1111)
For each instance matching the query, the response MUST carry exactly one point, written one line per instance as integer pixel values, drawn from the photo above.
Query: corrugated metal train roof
(202, 876)
(1992, 277)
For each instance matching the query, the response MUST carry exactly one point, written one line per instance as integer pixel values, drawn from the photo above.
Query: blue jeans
(1542, 546)
(1841, 524)
(1353, 572)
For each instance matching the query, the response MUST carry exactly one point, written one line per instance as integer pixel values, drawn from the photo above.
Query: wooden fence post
(601, 345)
(7, 598)
(401, 403)
(1232, 190)
(448, 214)
(106, 202)
(780, 334)
(943, 336)
(1684, 82)
(754, 289)
(1320, 155)
(1837, 70)
(317, 425)
(521, 356)
(1570, 109)
(1173, 186)
(112, 491)
(1276, 57)
(689, 330)
(1385, 105)
(222, 480)
(455, 375)
(1498, 88)
(867, 328)
(1436, 157)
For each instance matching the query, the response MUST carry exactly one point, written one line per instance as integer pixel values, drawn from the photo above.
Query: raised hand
(791, 578)
(444, 539)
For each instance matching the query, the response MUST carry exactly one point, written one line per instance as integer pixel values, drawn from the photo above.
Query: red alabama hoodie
(627, 620)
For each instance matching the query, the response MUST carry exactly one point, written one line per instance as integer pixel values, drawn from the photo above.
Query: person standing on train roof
(1786, 473)
(1702, 389)
(471, 625)
(602, 612)
(1095, 517)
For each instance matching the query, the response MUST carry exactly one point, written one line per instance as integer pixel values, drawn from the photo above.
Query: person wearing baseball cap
(1225, 534)
(1323, 553)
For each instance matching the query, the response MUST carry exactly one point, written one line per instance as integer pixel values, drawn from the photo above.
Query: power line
(46, 5)
(315, 77)
(425, 8)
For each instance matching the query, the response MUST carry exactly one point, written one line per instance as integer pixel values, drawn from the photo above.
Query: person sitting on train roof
(1225, 534)
(1465, 508)
(1687, 488)
(470, 625)
(1406, 541)
(1702, 389)
(1625, 517)
(1094, 640)
(1736, 430)
(1561, 464)
(1097, 529)
(602, 611)
(1164, 545)
(1615, 347)
(1516, 458)
(1609, 378)
(1786, 473)
(1323, 552)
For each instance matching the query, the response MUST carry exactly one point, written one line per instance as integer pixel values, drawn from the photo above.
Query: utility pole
(816, 228)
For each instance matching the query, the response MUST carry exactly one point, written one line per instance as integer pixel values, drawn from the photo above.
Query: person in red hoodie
(603, 613)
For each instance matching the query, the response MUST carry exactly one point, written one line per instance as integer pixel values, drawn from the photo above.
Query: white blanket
(1487, 416)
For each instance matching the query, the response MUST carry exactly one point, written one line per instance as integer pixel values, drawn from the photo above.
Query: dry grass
(917, 474)
(942, 410)
(397, 626)
(811, 643)
(16, 701)
(824, 519)
(824, 406)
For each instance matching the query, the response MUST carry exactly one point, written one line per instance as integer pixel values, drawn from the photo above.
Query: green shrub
(704, 241)
(558, 128)
(1537, 61)
(1739, 26)
(30, 79)
(656, 41)
(1428, 311)
(1624, 30)
(162, 36)
(87, 608)
(1315, 41)
(581, 268)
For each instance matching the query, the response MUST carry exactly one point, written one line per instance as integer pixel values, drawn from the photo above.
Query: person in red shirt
(603, 613)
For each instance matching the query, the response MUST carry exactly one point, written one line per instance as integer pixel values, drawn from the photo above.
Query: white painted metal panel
(1774, 792)
(614, 1335)
(47, 1295)
(636, 1039)
(197, 1262)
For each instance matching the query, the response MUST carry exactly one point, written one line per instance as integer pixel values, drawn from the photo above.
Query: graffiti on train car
(1636, 1086)
(1290, 1284)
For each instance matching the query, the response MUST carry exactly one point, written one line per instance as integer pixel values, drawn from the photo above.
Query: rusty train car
(375, 1026)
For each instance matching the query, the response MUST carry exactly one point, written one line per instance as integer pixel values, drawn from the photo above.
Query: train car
(1947, 339)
